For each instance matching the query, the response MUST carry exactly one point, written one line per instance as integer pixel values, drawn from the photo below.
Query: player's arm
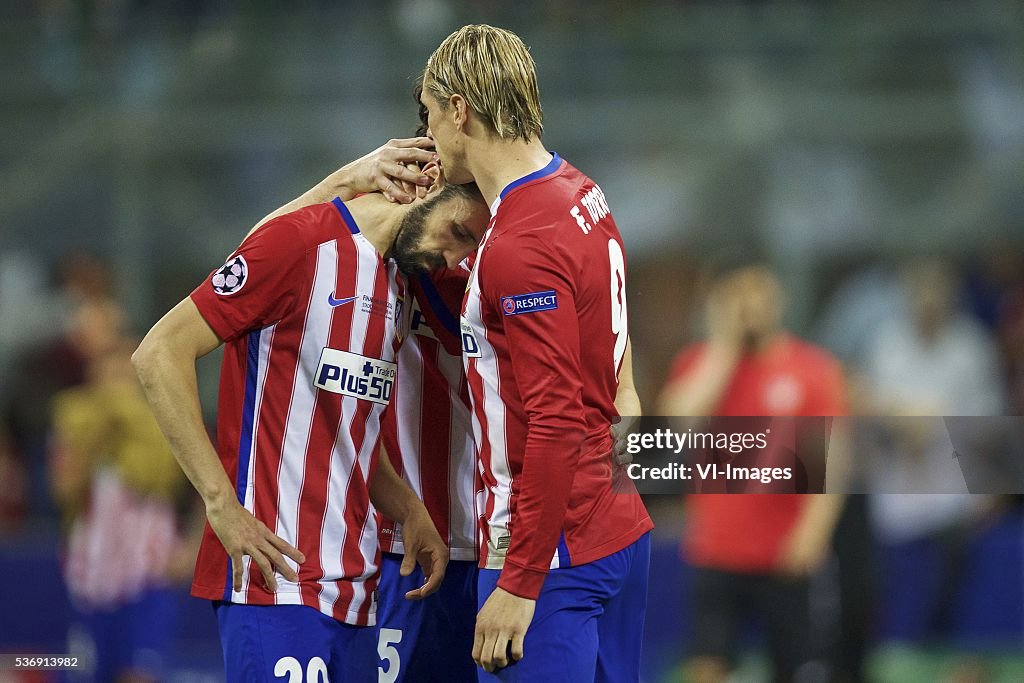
(269, 265)
(165, 362)
(627, 405)
(423, 545)
(391, 169)
(544, 349)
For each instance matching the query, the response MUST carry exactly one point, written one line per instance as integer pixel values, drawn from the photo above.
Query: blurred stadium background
(839, 142)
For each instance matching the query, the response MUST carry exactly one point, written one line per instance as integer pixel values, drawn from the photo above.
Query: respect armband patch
(534, 302)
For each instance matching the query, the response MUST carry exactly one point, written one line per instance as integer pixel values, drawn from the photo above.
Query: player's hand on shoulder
(425, 547)
(501, 627)
(242, 534)
(392, 169)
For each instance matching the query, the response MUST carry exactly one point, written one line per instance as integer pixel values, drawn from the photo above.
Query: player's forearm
(553, 450)
(700, 391)
(391, 495)
(627, 401)
(168, 377)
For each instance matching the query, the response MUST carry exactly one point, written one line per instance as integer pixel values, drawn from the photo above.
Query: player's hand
(620, 430)
(423, 546)
(392, 169)
(242, 534)
(501, 628)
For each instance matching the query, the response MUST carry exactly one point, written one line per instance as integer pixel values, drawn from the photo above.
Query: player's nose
(453, 257)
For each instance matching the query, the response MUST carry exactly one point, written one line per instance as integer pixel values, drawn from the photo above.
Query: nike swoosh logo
(338, 302)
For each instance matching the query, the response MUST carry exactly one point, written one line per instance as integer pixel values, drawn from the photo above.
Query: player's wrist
(217, 501)
(521, 582)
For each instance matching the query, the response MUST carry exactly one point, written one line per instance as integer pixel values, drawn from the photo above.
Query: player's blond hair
(492, 68)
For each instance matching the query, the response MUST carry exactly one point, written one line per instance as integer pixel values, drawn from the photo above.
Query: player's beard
(406, 251)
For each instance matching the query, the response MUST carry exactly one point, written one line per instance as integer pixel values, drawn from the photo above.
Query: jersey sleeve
(528, 286)
(258, 283)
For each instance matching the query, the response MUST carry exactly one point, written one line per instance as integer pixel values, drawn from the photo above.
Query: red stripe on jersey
(436, 415)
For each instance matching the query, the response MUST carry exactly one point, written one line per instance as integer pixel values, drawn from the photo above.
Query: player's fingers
(500, 658)
(487, 651)
(406, 172)
(278, 561)
(412, 155)
(421, 142)
(408, 562)
(265, 568)
(392, 192)
(286, 548)
(236, 571)
(478, 645)
(434, 578)
(516, 651)
(406, 188)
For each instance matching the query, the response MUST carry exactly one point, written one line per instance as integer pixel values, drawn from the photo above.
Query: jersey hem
(352, 618)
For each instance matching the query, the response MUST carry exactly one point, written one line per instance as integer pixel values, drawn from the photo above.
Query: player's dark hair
(417, 90)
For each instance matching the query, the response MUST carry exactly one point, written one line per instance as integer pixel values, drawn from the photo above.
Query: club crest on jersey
(231, 276)
(533, 302)
(351, 374)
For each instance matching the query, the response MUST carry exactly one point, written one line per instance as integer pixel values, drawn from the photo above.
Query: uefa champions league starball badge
(231, 276)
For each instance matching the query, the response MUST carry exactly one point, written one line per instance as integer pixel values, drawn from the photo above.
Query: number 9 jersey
(544, 328)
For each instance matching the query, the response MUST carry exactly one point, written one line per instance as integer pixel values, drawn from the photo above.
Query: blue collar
(346, 216)
(552, 166)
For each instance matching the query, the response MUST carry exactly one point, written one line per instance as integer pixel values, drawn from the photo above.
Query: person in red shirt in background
(753, 553)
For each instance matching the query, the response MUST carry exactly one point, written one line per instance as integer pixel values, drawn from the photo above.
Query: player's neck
(498, 163)
(378, 219)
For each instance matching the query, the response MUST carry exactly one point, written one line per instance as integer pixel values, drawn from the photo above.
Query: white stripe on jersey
(409, 404)
(494, 410)
(292, 470)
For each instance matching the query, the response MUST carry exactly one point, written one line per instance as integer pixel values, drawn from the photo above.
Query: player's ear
(433, 171)
(460, 111)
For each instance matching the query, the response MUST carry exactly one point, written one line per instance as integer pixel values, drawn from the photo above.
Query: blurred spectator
(14, 489)
(81, 320)
(995, 291)
(118, 486)
(934, 361)
(753, 553)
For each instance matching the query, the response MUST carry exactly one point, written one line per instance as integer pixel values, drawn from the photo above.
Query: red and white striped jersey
(544, 333)
(311, 316)
(427, 429)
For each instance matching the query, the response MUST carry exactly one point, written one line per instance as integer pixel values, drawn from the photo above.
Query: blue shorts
(292, 643)
(588, 624)
(422, 641)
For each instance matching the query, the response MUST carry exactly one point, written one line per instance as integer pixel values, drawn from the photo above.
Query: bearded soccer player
(310, 307)
(564, 556)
